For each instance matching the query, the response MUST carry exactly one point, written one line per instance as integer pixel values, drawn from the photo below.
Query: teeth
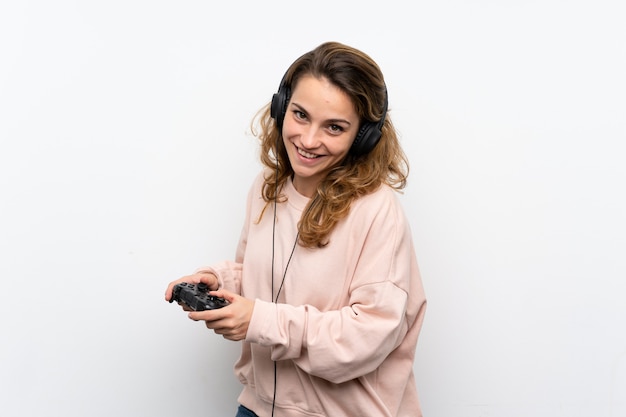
(306, 154)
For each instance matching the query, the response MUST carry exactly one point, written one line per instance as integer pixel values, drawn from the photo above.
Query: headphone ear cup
(369, 133)
(366, 139)
(278, 107)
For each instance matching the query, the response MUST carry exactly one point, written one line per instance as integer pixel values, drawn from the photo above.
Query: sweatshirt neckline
(294, 198)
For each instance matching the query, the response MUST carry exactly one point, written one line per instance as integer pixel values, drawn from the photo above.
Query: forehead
(319, 95)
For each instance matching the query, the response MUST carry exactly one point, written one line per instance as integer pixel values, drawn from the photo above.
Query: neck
(306, 188)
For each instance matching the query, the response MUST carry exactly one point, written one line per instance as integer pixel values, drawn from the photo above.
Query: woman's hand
(231, 321)
(206, 277)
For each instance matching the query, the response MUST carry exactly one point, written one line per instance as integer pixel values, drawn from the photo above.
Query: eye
(299, 115)
(336, 129)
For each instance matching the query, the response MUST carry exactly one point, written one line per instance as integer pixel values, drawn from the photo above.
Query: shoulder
(258, 181)
(382, 206)
(255, 190)
(383, 198)
(260, 177)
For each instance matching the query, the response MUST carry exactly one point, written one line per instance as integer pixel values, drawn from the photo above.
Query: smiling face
(319, 128)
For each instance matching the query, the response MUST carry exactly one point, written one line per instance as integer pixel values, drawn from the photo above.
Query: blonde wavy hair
(356, 74)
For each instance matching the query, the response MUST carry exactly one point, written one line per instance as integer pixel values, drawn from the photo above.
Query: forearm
(336, 345)
(228, 274)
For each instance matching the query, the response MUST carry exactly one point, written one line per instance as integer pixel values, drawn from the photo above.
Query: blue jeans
(244, 412)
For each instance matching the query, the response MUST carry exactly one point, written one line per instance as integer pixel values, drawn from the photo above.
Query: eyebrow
(333, 121)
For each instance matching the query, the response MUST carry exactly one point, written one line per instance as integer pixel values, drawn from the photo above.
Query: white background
(126, 156)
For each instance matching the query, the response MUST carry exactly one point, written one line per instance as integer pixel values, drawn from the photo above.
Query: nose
(309, 137)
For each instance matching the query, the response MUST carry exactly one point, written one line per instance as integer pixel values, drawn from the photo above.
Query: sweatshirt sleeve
(229, 272)
(349, 342)
(335, 345)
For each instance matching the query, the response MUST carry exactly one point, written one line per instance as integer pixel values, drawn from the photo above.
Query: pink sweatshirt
(344, 330)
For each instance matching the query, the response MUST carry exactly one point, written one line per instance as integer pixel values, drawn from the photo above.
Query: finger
(218, 329)
(170, 288)
(225, 294)
(231, 335)
(206, 277)
(226, 333)
(205, 315)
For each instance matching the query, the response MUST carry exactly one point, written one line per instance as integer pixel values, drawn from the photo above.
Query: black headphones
(366, 139)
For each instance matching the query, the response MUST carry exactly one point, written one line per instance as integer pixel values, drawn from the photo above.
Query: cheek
(341, 146)
(289, 128)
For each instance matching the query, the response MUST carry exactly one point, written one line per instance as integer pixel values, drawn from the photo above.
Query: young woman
(324, 292)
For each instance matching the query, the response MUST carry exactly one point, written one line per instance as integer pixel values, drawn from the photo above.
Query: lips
(307, 154)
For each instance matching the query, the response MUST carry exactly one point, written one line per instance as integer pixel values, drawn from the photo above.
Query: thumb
(225, 294)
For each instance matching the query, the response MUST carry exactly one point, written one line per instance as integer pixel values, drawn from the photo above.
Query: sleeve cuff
(263, 315)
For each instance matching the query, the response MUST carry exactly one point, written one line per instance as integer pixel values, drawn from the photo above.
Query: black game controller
(197, 297)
